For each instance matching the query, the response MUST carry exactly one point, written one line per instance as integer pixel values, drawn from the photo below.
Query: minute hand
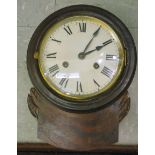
(99, 47)
(94, 35)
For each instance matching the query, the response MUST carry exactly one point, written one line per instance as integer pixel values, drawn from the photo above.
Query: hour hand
(99, 47)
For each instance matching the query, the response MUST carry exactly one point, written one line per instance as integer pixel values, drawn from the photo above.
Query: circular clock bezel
(81, 96)
(103, 99)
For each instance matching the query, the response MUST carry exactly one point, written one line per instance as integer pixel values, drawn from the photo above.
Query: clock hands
(82, 54)
(99, 47)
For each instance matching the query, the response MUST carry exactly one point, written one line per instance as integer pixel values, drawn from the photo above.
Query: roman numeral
(111, 57)
(58, 41)
(54, 69)
(51, 55)
(79, 87)
(64, 81)
(68, 30)
(106, 71)
(107, 42)
(96, 83)
(82, 27)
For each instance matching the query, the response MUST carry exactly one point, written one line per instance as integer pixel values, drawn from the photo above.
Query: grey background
(30, 14)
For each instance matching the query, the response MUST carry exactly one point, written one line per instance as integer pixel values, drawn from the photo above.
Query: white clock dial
(80, 57)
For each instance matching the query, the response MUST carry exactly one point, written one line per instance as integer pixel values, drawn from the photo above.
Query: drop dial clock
(81, 60)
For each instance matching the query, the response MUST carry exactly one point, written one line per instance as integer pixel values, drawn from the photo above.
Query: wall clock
(81, 60)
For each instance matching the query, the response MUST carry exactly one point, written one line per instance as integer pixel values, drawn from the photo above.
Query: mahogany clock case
(106, 98)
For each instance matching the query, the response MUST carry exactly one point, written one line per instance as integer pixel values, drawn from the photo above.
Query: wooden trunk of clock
(77, 131)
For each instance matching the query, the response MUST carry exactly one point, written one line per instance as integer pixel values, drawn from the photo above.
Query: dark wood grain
(43, 147)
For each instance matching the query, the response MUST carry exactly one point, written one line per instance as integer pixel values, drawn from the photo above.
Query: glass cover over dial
(81, 57)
